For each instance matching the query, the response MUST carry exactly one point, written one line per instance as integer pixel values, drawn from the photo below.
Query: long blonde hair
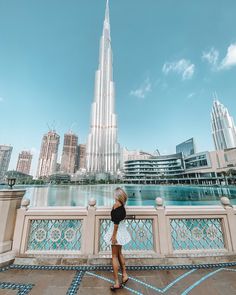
(121, 195)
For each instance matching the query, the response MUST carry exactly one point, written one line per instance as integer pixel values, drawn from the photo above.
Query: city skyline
(165, 75)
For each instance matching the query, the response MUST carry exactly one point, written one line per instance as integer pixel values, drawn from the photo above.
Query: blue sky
(169, 57)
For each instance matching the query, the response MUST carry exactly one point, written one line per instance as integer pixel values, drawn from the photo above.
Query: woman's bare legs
(122, 264)
(115, 264)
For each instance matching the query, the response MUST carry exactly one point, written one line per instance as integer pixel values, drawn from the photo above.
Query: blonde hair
(121, 195)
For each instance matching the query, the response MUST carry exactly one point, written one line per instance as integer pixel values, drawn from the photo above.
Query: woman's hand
(113, 240)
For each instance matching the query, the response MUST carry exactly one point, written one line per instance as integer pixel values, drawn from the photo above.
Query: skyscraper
(69, 153)
(5, 156)
(24, 162)
(48, 154)
(82, 156)
(102, 145)
(223, 127)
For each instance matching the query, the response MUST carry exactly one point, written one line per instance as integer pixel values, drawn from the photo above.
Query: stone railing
(157, 232)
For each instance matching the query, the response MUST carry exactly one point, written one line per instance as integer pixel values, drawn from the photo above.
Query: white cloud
(211, 56)
(230, 59)
(143, 89)
(183, 67)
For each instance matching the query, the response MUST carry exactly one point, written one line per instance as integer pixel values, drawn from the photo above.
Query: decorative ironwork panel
(140, 230)
(55, 235)
(197, 234)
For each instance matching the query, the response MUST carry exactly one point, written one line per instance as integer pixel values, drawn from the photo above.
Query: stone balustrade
(157, 232)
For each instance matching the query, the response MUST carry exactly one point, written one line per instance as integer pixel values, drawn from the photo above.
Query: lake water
(139, 195)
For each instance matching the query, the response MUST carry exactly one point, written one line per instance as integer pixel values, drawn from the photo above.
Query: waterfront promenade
(90, 280)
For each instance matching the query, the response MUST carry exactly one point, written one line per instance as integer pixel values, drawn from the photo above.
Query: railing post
(89, 231)
(20, 219)
(9, 203)
(162, 227)
(231, 217)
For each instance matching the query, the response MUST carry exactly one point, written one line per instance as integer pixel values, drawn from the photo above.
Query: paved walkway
(87, 280)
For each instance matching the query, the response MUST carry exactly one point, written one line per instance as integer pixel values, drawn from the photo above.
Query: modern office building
(82, 156)
(24, 162)
(223, 127)
(200, 168)
(126, 155)
(155, 169)
(47, 163)
(5, 156)
(69, 154)
(102, 145)
(187, 147)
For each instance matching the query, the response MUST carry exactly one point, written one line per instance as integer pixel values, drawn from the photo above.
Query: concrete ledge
(7, 258)
(97, 260)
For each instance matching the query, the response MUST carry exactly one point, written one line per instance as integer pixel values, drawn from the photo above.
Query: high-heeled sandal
(124, 282)
(113, 288)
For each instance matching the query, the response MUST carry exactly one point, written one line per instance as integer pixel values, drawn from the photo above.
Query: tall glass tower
(102, 146)
(223, 127)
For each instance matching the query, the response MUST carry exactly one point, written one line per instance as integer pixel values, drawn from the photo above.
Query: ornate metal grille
(141, 232)
(197, 234)
(55, 235)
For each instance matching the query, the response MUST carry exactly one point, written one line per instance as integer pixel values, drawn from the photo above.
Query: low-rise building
(212, 167)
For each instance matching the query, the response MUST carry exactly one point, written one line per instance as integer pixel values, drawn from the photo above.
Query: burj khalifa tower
(102, 146)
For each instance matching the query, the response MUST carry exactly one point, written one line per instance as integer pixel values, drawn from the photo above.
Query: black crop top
(118, 214)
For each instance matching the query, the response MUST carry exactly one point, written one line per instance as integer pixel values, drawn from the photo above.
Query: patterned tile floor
(95, 280)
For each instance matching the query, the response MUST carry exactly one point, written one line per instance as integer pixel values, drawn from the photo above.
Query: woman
(117, 236)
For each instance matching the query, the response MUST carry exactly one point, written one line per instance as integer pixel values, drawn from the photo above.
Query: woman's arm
(113, 238)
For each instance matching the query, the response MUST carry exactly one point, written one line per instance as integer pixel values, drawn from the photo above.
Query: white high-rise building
(47, 164)
(102, 146)
(223, 127)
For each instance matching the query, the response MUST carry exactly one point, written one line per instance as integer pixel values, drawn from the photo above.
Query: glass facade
(187, 148)
(197, 161)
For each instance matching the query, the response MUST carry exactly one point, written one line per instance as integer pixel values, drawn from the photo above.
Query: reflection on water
(139, 195)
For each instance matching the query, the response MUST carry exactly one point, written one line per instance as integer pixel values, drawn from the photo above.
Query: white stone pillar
(162, 227)
(10, 201)
(231, 217)
(89, 230)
